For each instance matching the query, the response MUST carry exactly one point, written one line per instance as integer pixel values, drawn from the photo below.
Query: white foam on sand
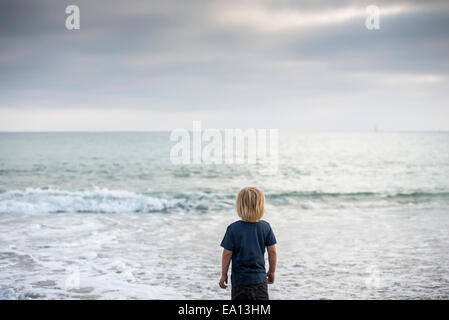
(322, 255)
(109, 256)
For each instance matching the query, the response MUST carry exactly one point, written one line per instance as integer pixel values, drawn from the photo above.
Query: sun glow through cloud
(263, 18)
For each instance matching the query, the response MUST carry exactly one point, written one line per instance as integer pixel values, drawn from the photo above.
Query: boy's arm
(225, 261)
(272, 260)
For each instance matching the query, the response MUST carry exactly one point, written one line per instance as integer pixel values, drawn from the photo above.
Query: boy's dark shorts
(252, 292)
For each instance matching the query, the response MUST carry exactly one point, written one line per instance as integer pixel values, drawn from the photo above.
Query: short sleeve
(270, 239)
(228, 241)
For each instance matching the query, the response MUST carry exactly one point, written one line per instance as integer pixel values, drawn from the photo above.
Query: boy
(244, 242)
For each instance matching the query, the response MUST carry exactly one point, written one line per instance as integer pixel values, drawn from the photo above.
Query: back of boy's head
(250, 204)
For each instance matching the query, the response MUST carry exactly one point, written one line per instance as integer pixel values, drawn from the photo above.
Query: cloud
(280, 60)
(266, 19)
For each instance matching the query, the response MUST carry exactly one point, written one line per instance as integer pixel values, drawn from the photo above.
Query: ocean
(108, 216)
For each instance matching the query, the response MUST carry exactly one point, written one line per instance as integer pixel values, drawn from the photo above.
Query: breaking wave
(33, 200)
(358, 195)
(94, 201)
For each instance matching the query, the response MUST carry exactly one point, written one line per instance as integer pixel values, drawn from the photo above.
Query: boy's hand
(270, 277)
(223, 282)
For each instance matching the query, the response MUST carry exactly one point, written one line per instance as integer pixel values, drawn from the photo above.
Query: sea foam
(97, 200)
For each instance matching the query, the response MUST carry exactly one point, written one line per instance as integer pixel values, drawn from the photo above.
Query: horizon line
(284, 130)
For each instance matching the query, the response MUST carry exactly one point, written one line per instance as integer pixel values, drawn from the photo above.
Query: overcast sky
(158, 65)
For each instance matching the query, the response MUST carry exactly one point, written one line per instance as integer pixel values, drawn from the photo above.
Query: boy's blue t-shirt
(247, 241)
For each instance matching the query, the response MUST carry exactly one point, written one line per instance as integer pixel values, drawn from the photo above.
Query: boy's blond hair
(250, 204)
